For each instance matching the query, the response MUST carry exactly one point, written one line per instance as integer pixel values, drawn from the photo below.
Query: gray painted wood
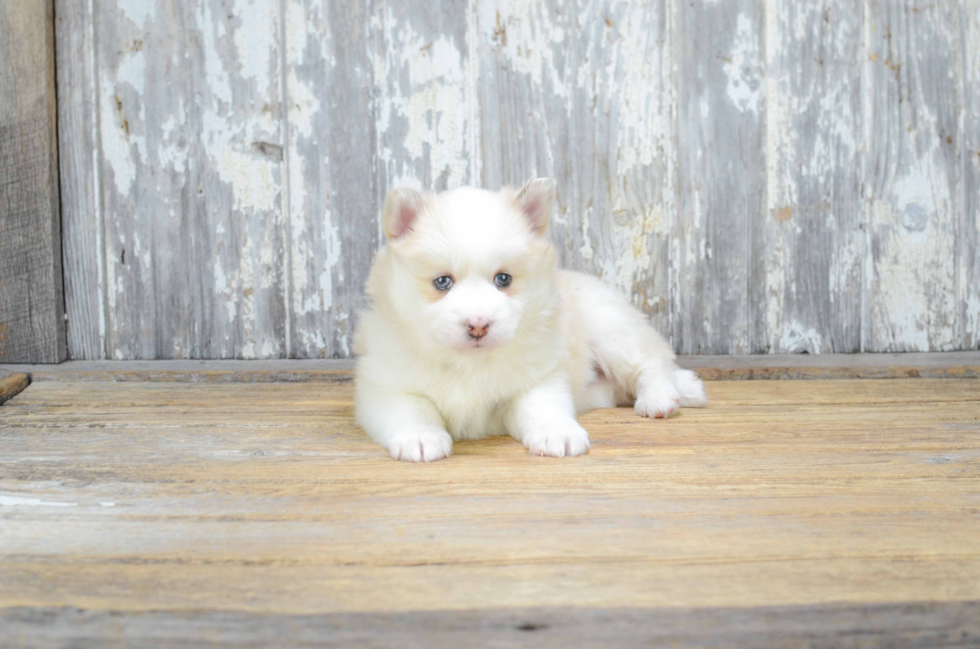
(744, 170)
(719, 246)
(912, 174)
(426, 109)
(813, 225)
(333, 192)
(32, 325)
(910, 625)
(583, 93)
(189, 104)
(968, 276)
(79, 158)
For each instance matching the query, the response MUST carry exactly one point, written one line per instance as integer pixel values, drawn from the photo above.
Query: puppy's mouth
(476, 345)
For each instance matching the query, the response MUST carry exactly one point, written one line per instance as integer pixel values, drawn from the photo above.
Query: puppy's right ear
(402, 208)
(535, 200)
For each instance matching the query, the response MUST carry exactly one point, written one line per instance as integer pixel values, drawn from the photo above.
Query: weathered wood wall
(761, 175)
(32, 303)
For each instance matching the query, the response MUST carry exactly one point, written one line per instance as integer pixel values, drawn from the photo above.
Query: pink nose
(477, 327)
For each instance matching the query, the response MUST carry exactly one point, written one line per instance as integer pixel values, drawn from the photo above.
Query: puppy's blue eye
(502, 280)
(443, 283)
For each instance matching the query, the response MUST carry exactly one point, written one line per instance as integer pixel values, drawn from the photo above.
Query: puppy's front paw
(421, 446)
(660, 400)
(557, 439)
(659, 407)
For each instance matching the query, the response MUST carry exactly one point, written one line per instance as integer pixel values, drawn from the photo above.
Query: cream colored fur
(558, 342)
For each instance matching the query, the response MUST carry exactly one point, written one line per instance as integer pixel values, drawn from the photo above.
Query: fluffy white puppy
(473, 330)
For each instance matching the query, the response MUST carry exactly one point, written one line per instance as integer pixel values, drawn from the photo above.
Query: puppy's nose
(477, 327)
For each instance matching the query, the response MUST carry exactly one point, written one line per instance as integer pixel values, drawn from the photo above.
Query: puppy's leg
(690, 388)
(643, 362)
(656, 392)
(633, 354)
(543, 420)
(409, 426)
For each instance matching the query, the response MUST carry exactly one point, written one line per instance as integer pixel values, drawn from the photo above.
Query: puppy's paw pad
(690, 388)
(422, 446)
(557, 440)
(658, 406)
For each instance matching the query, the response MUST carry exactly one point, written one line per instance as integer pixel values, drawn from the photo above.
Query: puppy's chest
(473, 408)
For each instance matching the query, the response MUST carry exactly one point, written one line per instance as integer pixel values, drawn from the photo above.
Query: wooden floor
(786, 513)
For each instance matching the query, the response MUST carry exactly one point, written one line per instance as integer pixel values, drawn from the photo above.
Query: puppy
(473, 330)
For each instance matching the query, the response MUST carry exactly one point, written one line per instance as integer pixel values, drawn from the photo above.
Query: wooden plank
(712, 368)
(584, 93)
(203, 371)
(424, 78)
(836, 366)
(718, 255)
(813, 227)
(912, 171)
(117, 397)
(190, 107)
(12, 384)
(32, 326)
(925, 624)
(79, 155)
(333, 184)
(203, 506)
(968, 239)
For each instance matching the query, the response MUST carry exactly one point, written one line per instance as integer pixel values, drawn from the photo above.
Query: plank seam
(286, 200)
(59, 258)
(866, 267)
(100, 255)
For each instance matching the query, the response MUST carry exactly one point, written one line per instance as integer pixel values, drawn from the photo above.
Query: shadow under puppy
(473, 330)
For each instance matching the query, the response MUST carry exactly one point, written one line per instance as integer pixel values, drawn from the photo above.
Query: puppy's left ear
(535, 200)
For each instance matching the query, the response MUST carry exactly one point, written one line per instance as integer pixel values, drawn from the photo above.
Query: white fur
(559, 342)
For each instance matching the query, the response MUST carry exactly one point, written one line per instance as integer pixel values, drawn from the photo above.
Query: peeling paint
(138, 11)
(423, 117)
(526, 36)
(122, 149)
(910, 268)
(814, 243)
(742, 66)
(697, 172)
(797, 338)
(914, 192)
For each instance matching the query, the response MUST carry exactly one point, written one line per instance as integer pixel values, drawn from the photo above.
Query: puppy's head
(470, 269)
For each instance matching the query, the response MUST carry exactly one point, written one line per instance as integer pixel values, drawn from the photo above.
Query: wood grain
(12, 384)
(583, 93)
(718, 247)
(814, 222)
(940, 365)
(32, 325)
(168, 505)
(912, 175)
(968, 239)
(191, 120)
(758, 176)
(925, 624)
(334, 189)
(79, 155)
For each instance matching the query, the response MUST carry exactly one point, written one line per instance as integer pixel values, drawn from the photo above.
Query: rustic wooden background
(32, 304)
(760, 175)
